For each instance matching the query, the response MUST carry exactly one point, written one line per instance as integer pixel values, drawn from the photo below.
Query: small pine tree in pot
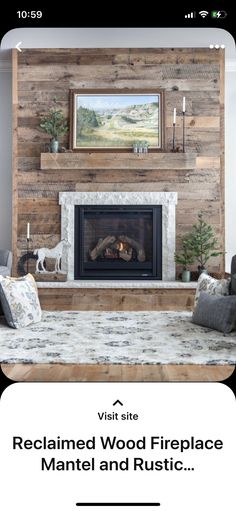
(185, 257)
(203, 243)
(55, 124)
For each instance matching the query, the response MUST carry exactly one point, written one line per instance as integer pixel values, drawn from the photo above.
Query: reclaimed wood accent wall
(39, 75)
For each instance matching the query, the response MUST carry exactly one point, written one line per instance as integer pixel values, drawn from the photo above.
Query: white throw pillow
(211, 286)
(19, 299)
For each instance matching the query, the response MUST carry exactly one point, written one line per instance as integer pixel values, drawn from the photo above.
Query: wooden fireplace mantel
(117, 161)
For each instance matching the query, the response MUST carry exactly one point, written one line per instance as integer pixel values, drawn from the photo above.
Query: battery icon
(218, 14)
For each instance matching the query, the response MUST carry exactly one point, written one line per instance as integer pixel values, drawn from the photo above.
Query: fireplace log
(126, 255)
(101, 245)
(135, 244)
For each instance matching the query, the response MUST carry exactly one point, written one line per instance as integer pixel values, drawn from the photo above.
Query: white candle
(174, 118)
(28, 230)
(184, 104)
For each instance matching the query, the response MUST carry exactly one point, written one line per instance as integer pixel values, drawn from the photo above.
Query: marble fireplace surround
(167, 200)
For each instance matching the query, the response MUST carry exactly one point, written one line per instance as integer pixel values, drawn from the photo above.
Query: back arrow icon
(18, 46)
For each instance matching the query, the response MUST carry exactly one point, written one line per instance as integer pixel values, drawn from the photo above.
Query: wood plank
(38, 206)
(208, 162)
(38, 227)
(45, 216)
(113, 56)
(50, 277)
(208, 123)
(192, 71)
(178, 84)
(116, 299)
(29, 117)
(72, 73)
(124, 161)
(75, 76)
(59, 179)
(99, 372)
(33, 149)
(28, 164)
(199, 103)
(36, 241)
(186, 191)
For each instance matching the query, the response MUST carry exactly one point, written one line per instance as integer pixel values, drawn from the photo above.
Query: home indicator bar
(119, 504)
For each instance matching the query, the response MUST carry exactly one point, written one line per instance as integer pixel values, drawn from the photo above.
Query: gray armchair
(5, 262)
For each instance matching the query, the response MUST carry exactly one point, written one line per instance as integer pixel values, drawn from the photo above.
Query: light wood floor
(71, 372)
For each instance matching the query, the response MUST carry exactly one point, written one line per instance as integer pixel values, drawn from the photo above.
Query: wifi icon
(203, 14)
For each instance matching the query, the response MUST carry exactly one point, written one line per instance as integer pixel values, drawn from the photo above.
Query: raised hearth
(143, 201)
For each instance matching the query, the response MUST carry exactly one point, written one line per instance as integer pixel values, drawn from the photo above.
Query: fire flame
(121, 246)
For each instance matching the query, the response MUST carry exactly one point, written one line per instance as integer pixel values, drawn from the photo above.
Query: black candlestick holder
(173, 144)
(27, 262)
(183, 132)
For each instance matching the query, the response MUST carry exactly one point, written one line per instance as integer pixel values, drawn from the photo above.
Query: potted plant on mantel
(202, 243)
(185, 257)
(55, 124)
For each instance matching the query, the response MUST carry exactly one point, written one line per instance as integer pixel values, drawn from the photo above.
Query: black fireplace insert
(118, 242)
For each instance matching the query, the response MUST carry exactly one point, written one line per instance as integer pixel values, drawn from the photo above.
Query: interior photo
(119, 263)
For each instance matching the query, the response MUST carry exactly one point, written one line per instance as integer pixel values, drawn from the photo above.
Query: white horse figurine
(53, 253)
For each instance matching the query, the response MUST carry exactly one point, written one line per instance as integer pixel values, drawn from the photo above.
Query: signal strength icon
(190, 15)
(203, 14)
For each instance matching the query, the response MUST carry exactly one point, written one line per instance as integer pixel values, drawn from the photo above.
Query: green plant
(185, 257)
(54, 122)
(202, 242)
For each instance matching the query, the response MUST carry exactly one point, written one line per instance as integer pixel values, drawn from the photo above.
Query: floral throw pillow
(211, 286)
(19, 299)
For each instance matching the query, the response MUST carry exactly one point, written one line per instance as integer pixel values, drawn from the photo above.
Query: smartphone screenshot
(117, 261)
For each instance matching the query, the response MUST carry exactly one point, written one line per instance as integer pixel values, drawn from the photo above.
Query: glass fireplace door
(117, 242)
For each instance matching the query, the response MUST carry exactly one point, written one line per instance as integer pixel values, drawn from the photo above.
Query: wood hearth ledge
(107, 295)
(118, 284)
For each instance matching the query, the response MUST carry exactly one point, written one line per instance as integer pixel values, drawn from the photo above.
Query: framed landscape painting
(105, 120)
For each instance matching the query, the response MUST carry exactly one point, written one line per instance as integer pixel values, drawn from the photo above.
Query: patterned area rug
(116, 338)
